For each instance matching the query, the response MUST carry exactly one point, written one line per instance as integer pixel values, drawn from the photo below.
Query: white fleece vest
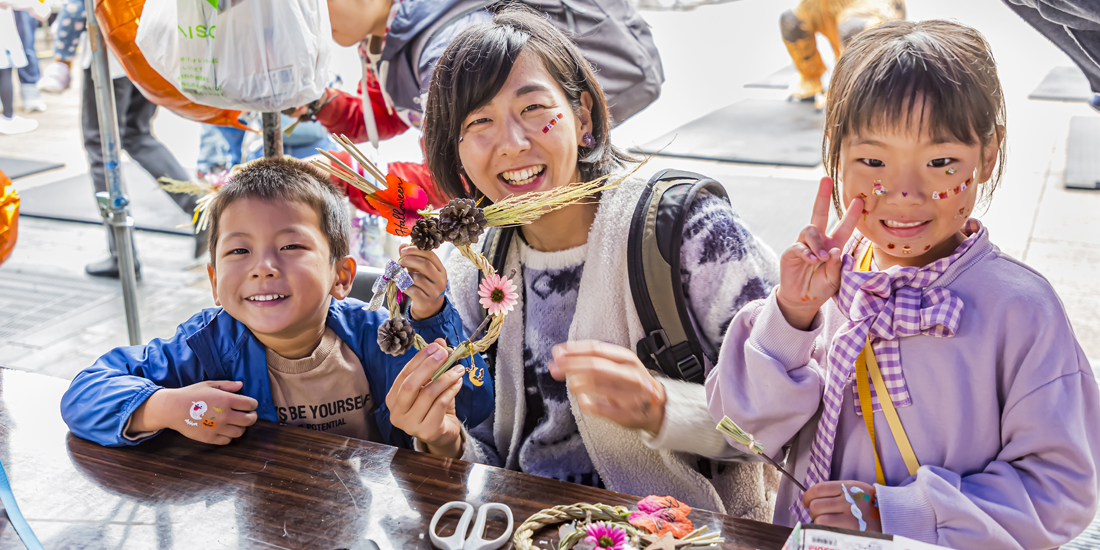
(605, 311)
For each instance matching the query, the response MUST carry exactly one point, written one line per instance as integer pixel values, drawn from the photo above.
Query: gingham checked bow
(886, 305)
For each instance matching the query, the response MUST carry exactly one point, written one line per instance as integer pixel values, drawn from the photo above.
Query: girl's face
(909, 225)
(510, 146)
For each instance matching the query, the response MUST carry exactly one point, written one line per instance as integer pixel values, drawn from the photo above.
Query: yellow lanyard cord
(866, 363)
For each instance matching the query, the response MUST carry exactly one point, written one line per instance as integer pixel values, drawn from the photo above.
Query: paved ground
(55, 320)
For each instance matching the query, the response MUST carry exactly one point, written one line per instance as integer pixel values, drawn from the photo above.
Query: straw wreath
(588, 513)
(461, 222)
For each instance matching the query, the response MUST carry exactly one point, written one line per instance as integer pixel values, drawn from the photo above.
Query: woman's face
(510, 146)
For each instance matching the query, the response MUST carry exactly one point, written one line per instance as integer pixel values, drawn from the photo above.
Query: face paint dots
(198, 408)
(879, 189)
(550, 125)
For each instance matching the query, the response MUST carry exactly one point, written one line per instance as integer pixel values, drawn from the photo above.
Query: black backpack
(611, 35)
(671, 345)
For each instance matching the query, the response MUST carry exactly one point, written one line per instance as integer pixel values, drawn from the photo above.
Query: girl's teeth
(900, 225)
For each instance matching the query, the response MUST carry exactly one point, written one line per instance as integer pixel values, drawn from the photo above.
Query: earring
(588, 140)
(879, 189)
(460, 139)
(950, 171)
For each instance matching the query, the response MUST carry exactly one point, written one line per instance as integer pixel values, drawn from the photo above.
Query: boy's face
(274, 271)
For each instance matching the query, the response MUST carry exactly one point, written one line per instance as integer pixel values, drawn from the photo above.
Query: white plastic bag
(248, 55)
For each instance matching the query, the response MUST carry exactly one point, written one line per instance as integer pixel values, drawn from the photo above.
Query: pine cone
(462, 222)
(426, 234)
(395, 336)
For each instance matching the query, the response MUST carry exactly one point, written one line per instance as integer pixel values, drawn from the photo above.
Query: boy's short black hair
(290, 180)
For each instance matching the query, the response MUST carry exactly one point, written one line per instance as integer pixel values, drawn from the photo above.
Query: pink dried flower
(498, 294)
(606, 536)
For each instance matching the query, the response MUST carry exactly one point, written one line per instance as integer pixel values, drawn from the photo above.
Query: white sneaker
(56, 78)
(32, 101)
(17, 125)
(35, 105)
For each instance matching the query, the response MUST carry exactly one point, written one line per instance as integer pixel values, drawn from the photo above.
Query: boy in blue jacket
(286, 345)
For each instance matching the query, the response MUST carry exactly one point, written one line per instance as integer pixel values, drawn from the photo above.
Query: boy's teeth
(267, 297)
(891, 223)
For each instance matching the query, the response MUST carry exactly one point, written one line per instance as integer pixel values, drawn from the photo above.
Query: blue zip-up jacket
(212, 345)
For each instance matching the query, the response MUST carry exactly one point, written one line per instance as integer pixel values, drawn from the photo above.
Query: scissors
(458, 540)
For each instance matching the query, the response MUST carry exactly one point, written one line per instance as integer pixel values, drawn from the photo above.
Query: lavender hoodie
(1004, 420)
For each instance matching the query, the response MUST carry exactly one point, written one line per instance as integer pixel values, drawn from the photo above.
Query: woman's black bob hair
(474, 68)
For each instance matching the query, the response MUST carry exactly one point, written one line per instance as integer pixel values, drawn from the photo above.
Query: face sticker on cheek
(553, 122)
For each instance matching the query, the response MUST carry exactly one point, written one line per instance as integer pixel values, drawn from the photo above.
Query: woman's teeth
(899, 225)
(266, 297)
(522, 177)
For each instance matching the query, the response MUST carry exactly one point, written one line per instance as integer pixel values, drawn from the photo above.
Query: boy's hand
(210, 412)
(830, 503)
(430, 278)
(809, 271)
(610, 381)
(426, 410)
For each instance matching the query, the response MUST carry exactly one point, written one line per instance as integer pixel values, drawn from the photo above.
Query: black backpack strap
(671, 344)
(495, 249)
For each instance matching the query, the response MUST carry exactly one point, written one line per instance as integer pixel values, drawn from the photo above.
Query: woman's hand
(831, 503)
(809, 271)
(430, 278)
(210, 412)
(611, 382)
(424, 409)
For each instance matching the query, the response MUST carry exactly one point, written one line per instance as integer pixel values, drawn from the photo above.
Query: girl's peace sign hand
(809, 271)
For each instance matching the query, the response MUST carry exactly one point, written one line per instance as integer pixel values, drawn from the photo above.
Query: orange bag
(9, 217)
(118, 21)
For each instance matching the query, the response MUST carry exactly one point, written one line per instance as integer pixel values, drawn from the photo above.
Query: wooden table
(276, 487)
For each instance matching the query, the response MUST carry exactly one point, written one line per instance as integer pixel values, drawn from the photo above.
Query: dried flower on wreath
(498, 294)
(660, 515)
(606, 536)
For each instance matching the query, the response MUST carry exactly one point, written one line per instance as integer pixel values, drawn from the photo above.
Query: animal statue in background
(839, 21)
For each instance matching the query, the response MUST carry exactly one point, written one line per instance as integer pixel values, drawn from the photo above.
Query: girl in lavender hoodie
(982, 432)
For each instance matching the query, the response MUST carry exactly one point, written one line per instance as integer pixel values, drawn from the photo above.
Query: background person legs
(29, 75)
(135, 113)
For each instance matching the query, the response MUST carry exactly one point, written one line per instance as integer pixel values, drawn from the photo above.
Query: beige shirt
(327, 391)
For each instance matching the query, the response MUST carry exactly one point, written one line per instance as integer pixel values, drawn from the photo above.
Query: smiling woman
(514, 108)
